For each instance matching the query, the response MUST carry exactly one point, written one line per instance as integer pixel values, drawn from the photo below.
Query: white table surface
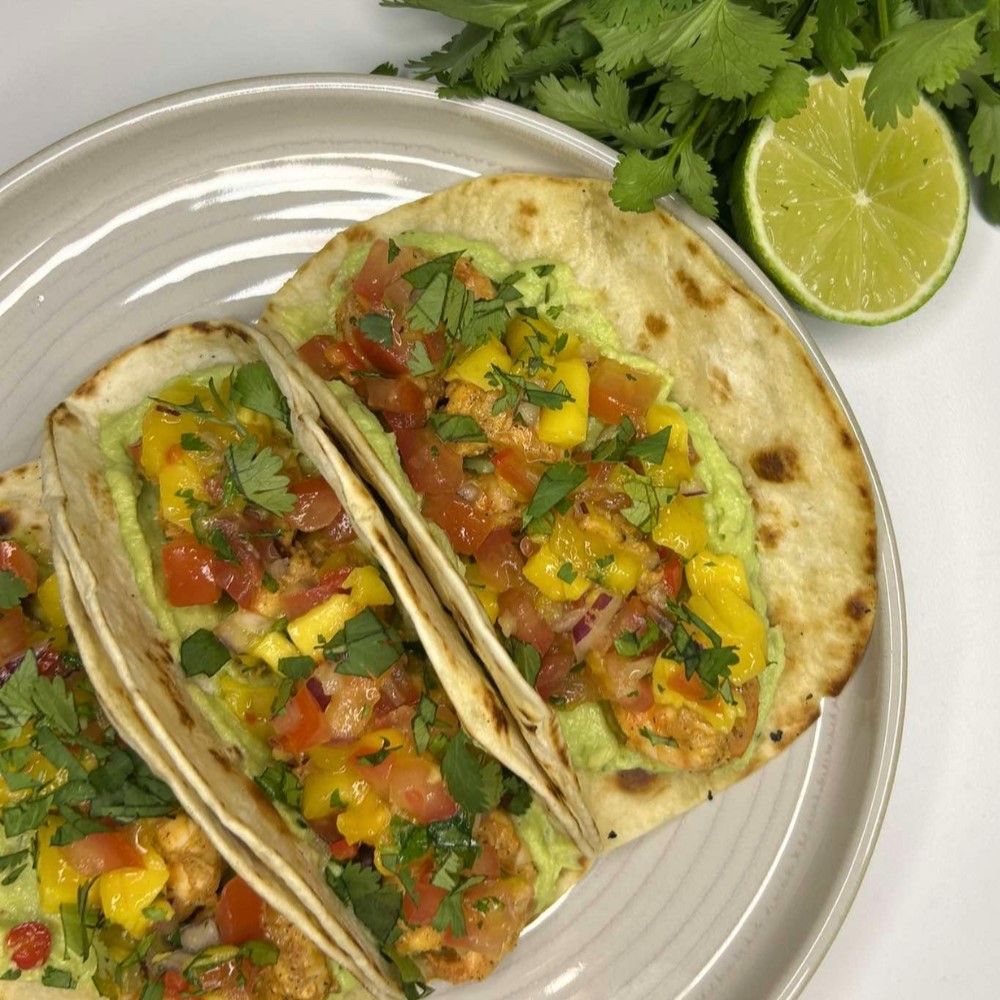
(924, 390)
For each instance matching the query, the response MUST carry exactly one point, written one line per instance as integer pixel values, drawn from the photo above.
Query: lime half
(856, 224)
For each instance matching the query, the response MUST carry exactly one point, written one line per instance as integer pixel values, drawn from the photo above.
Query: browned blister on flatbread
(672, 300)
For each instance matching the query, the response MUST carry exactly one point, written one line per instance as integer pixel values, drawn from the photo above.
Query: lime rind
(891, 220)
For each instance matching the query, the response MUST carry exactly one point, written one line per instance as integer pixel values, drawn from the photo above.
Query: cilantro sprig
(676, 87)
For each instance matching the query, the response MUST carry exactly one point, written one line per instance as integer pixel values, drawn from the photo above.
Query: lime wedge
(856, 224)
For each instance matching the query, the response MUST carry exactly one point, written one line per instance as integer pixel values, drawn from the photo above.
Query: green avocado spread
(592, 736)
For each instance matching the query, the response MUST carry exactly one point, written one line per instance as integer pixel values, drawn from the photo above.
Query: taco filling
(569, 486)
(295, 646)
(103, 879)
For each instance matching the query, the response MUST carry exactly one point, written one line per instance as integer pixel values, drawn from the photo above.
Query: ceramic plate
(200, 206)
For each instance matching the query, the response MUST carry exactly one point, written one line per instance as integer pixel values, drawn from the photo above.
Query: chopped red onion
(469, 490)
(241, 630)
(692, 488)
(527, 547)
(528, 412)
(317, 690)
(591, 632)
(197, 937)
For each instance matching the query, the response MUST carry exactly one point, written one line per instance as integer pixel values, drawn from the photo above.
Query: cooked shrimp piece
(301, 971)
(500, 428)
(700, 747)
(193, 864)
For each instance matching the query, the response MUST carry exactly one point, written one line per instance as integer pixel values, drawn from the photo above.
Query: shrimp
(700, 747)
(193, 864)
(301, 971)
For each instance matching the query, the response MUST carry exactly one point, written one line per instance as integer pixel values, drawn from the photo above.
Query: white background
(924, 390)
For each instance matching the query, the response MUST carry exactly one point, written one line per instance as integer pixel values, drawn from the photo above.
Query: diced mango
(247, 701)
(50, 602)
(272, 648)
(322, 622)
(322, 786)
(563, 551)
(126, 892)
(621, 575)
(567, 426)
(526, 337)
(176, 478)
(681, 526)
(676, 464)
(367, 587)
(477, 364)
(707, 572)
(58, 880)
(672, 687)
(260, 425)
(487, 595)
(365, 821)
(737, 624)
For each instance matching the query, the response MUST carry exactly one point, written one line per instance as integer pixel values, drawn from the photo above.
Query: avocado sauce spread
(642, 672)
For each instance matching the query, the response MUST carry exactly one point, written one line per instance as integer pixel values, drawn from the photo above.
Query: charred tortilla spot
(769, 536)
(187, 721)
(694, 293)
(634, 779)
(645, 344)
(656, 324)
(692, 247)
(527, 208)
(201, 325)
(871, 553)
(779, 464)
(858, 605)
(740, 290)
(864, 491)
(846, 438)
(7, 522)
(359, 234)
(222, 757)
(496, 712)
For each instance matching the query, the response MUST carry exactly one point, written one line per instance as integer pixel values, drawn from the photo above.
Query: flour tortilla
(673, 301)
(22, 517)
(85, 523)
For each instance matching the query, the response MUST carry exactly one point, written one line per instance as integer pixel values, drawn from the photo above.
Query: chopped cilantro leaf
(13, 589)
(365, 646)
(515, 387)
(526, 658)
(650, 449)
(557, 482)
(456, 427)
(298, 668)
(517, 794)
(193, 442)
(378, 756)
(419, 361)
(473, 779)
(202, 652)
(257, 476)
(280, 785)
(59, 979)
(647, 498)
(636, 643)
(29, 814)
(566, 573)
(255, 388)
(656, 739)
(377, 328)
(376, 904)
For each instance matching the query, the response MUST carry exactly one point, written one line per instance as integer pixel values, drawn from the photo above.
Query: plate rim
(832, 912)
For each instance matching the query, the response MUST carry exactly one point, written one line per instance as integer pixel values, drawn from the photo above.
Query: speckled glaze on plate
(199, 206)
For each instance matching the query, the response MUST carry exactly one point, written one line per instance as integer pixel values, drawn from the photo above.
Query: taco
(106, 885)
(278, 640)
(618, 467)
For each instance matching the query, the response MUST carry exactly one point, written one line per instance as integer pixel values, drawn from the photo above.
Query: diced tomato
(14, 559)
(50, 662)
(416, 788)
(316, 505)
(617, 391)
(241, 580)
(175, 985)
(520, 619)
(342, 850)
(13, 634)
(672, 567)
(432, 465)
(400, 395)
(513, 466)
(189, 570)
(341, 529)
(330, 358)
(465, 526)
(402, 421)
(421, 910)
(499, 560)
(493, 932)
(488, 862)
(395, 688)
(386, 360)
(556, 665)
(302, 724)
(691, 687)
(378, 273)
(135, 451)
(98, 853)
(29, 945)
(240, 913)
(436, 345)
(299, 603)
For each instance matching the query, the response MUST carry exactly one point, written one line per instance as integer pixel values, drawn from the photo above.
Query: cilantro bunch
(676, 85)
